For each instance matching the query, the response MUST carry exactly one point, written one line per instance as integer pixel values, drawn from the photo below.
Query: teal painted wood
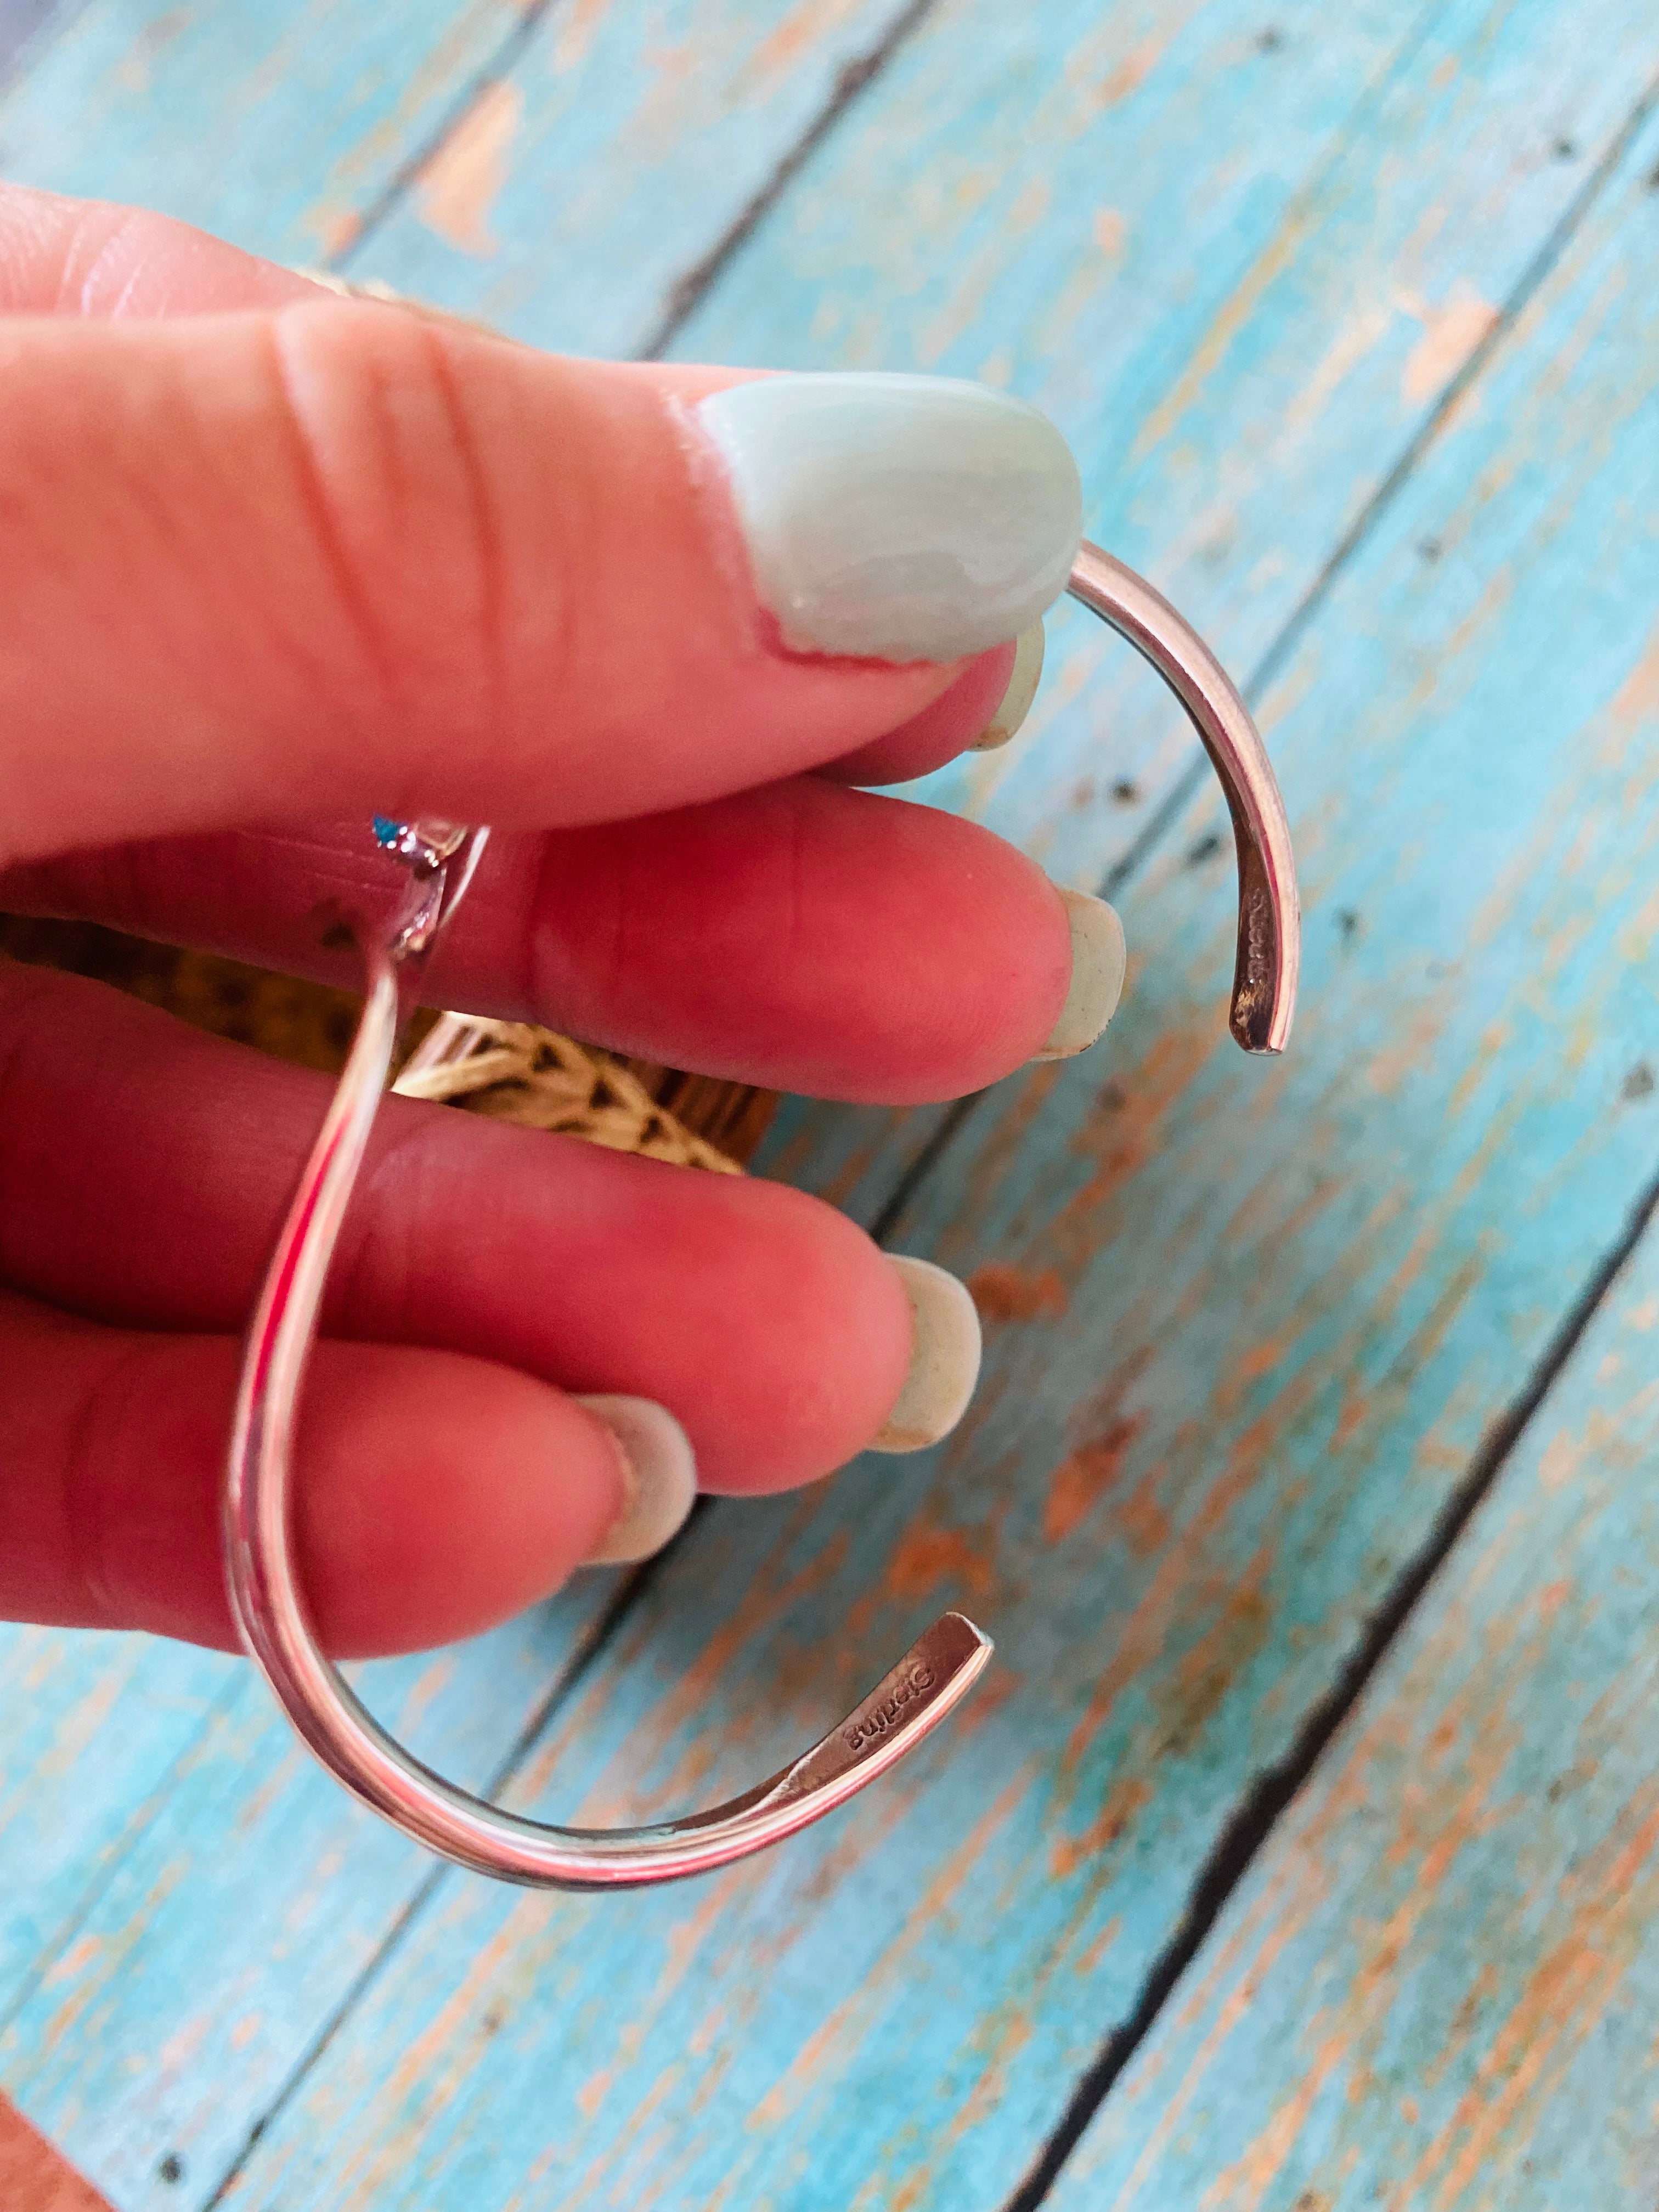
(1257, 1322)
(435, 278)
(808, 1630)
(1439, 1984)
(1238, 346)
(603, 169)
(616, 148)
(277, 127)
(121, 1709)
(210, 1917)
(1236, 402)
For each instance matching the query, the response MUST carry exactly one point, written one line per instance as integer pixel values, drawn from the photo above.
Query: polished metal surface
(943, 1664)
(1269, 910)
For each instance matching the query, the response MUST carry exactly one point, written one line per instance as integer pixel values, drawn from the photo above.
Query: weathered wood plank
(625, 140)
(588, 183)
(277, 127)
(1257, 1322)
(212, 1897)
(1240, 354)
(123, 1708)
(1439, 1984)
(132, 2115)
(1238, 350)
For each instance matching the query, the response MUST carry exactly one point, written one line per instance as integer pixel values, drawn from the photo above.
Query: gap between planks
(1274, 1790)
(1263, 1805)
(685, 294)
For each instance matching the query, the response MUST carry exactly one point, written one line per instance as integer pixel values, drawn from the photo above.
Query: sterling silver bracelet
(938, 1670)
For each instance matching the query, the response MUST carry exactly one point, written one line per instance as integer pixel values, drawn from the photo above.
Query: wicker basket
(509, 1070)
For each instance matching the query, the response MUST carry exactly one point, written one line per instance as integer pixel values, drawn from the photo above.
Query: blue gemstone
(388, 834)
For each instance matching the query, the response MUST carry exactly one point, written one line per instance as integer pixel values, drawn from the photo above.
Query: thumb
(326, 556)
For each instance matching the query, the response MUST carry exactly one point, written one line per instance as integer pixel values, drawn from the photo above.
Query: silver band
(942, 1666)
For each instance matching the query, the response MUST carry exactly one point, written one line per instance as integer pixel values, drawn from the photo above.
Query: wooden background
(1302, 1852)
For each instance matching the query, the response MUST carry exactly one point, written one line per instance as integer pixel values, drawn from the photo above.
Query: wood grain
(1246, 1329)
(1240, 374)
(623, 140)
(1439, 1987)
(1293, 1303)
(280, 128)
(213, 1895)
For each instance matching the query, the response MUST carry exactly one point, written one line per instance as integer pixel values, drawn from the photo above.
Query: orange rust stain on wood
(1111, 231)
(373, 2170)
(1563, 1998)
(459, 185)
(1128, 77)
(767, 1598)
(785, 44)
(1084, 1476)
(1411, 1050)
(1121, 1137)
(577, 26)
(841, 2029)
(1636, 703)
(1212, 348)
(927, 1556)
(1004, 1293)
(795, 1160)
(1242, 2185)
(1068, 1853)
(1276, 1931)
(1451, 331)
(1002, 1147)
(1142, 1520)
(1208, 1671)
(1087, 1962)
(1145, 1631)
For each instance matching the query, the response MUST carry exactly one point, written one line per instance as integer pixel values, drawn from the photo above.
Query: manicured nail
(1098, 958)
(898, 517)
(944, 1352)
(660, 1478)
(1015, 702)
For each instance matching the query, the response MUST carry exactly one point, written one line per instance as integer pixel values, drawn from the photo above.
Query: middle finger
(805, 936)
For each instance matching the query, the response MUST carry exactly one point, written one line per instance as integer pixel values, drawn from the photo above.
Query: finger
(803, 936)
(328, 557)
(99, 260)
(95, 258)
(956, 720)
(434, 1496)
(984, 709)
(770, 1326)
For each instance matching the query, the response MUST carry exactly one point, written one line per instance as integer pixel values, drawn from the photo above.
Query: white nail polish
(898, 517)
(1015, 702)
(1097, 985)
(945, 1356)
(660, 1478)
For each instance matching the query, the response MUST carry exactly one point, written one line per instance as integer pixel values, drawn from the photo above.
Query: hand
(270, 557)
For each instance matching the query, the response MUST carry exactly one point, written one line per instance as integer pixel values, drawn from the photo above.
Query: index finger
(312, 557)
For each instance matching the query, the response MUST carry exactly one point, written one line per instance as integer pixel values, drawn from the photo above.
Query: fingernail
(898, 517)
(1097, 985)
(1015, 702)
(660, 1478)
(944, 1352)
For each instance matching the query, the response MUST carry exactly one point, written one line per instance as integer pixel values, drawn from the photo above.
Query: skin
(272, 561)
